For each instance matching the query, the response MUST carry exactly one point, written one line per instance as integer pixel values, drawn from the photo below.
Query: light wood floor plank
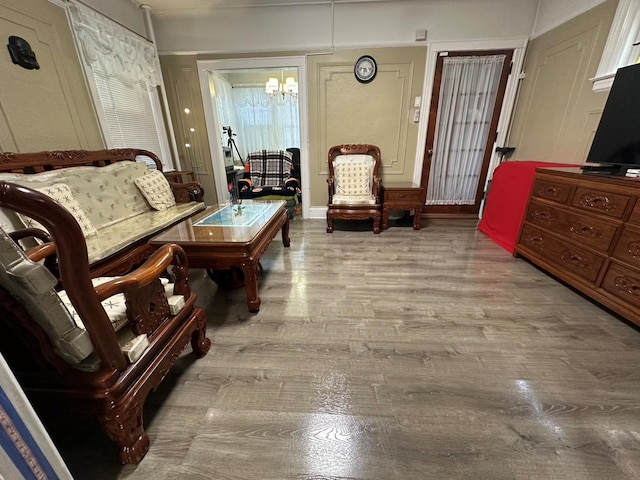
(405, 355)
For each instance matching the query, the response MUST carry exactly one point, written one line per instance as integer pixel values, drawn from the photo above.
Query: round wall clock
(365, 69)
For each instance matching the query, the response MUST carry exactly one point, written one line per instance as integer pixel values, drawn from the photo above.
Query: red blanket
(506, 203)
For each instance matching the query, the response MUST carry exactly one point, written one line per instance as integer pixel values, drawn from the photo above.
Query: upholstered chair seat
(354, 184)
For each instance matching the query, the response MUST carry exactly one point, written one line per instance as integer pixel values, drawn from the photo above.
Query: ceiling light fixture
(287, 86)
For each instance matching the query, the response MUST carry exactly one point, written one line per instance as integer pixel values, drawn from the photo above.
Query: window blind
(123, 72)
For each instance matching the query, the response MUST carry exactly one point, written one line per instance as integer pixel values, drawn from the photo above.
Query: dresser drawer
(563, 255)
(623, 283)
(604, 203)
(403, 195)
(554, 191)
(627, 247)
(581, 229)
(635, 214)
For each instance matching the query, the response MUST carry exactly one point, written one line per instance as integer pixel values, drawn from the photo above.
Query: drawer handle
(633, 248)
(542, 216)
(536, 241)
(627, 284)
(548, 191)
(587, 231)
(574, 260)
(599, 202)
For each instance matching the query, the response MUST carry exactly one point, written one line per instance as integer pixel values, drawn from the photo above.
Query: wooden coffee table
(224, 237)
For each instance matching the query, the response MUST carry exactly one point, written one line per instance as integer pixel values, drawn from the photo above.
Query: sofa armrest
(30, 233)
(187, 192)
(40, 252)
(147, 304)
(45, 251)
(155, 266)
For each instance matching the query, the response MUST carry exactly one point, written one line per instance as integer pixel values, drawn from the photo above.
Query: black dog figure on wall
(21, 53)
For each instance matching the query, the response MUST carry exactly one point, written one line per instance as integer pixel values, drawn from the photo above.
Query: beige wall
(557, 112)
(342, 110)
(182, 85)
(49, 108)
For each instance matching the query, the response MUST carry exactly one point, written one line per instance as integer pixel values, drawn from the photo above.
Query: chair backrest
(354, 169)
(33, 286)
(269, 167)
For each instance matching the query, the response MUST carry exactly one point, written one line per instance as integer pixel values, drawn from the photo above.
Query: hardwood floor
(406, 355)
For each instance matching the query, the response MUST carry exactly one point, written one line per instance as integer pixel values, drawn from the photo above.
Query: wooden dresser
(585, 230)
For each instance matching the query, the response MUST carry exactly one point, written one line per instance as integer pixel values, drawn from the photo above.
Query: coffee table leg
(250, 271)
(286, 241)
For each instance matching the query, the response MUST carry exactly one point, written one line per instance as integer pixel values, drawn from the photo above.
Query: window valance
(112, 48)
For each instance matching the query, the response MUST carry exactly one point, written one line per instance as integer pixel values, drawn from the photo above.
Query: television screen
(617, 139)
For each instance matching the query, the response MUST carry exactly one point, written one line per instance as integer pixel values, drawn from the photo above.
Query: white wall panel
(375, 24)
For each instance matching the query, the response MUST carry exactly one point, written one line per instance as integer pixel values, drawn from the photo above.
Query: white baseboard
(317, 213)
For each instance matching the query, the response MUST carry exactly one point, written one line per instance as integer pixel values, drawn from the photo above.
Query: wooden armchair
(354, 184)
(98, 345)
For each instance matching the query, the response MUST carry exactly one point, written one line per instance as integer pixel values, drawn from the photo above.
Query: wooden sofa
(55, 331)
(60, 335)
(103, 183)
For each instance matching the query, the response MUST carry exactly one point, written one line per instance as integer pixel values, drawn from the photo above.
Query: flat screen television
(616, 145)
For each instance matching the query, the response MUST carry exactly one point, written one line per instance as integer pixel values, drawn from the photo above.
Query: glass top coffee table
(231, 236)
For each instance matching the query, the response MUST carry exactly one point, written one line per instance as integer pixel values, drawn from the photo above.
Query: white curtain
(123, 72)
(260, 121)
(468, 93)
(114, 49)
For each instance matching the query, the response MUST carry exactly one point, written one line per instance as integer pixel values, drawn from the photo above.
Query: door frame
(489, 142)
(434, 49)
(215, 142)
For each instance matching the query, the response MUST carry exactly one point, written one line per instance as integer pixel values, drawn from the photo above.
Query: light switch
(416, 116)
(417, 101)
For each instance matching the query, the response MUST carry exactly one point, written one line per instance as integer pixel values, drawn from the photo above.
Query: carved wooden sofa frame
(134, 254)
(114, 389)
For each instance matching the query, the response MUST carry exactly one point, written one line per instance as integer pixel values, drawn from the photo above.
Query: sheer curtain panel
(260, 121)
(468, 92)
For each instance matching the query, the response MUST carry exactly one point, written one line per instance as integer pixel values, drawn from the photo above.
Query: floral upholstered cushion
(156, 189)
(115, 306)
(61, 193)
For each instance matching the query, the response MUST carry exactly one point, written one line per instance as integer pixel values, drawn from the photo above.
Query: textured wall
(49, 108)
(557, 112)
(342, 110)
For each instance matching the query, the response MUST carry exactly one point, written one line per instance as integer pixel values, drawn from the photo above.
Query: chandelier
(287, 87)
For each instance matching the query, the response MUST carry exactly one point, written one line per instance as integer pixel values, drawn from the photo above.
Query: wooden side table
(178, 176)
(402, 196)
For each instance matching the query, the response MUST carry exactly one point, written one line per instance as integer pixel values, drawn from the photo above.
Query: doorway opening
(466, 102)
(254, 104)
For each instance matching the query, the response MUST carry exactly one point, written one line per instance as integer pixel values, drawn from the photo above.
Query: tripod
(231, 143)
(232, 178)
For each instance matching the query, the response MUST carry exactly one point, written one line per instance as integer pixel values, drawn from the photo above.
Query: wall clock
(365, 69)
